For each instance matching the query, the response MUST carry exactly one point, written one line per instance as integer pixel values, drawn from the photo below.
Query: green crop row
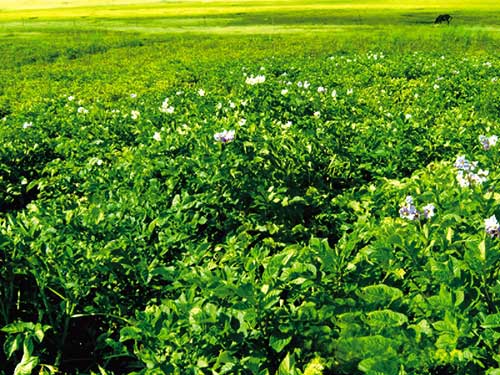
(254, 219)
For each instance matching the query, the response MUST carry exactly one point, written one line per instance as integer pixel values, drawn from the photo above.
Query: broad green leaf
(380, 365)
(491, 321)
(287, 365)
(385, 318)
(380, 294)
(279, 343)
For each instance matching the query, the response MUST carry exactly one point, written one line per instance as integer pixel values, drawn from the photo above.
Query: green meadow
(249, 187)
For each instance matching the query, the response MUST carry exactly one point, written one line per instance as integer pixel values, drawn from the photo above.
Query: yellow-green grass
(190, 8)
(244, 16)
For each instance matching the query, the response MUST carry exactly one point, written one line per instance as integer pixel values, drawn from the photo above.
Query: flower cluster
(157, 136)
(409, 211)
(488, 142)
(225, 136)
(492, 227)
(254, 80)
(466, 175)
(166, 107)
(135, 114)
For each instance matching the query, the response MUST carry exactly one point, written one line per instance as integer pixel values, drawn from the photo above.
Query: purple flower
(463, 163)
(409, 211)
(488, 142)
(492, 227)
(225, 136)
(428, 211)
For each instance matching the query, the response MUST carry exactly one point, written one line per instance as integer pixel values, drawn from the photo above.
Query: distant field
(239, 8)
(237, 17)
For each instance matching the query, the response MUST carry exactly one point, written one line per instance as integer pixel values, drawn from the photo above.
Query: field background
(132, 241)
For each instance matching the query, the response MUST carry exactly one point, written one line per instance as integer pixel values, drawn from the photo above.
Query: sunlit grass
(147, 8)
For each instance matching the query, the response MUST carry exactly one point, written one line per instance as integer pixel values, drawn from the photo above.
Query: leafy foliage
(248, 221)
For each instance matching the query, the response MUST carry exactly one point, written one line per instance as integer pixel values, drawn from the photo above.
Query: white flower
(465, 176)
(462, 181)
(225, 136)
(27, 125)
(242, 121)
(494, 79)
(321, 89)
(306, 84)
(82, 110)
(255, 80)
(407, 116)
(487, 64)
(493, 140)
(71, 98)
(492, 227)
(334, 94)
(436, 86)
(287, 125)
(133, 96)
(284, 92)
(428, 211)
(135, 114)
(488, 142)
(480, 177)
(201, 92)
(317, 114)
(462, 163)
(409, 199)
(165, 107)
(157, 136)
(232, 104)
(409, 212)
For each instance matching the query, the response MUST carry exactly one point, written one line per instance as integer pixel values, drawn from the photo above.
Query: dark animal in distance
(442, 18)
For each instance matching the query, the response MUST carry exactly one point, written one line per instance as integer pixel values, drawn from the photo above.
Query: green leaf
(491, 321)
(130, 333)
(379, 365)
(287, 365)
(279, 343)
(28, 362)
(380, 294)
(12, 344)
(385, 318)
(351, 348)
(26, 366)
(18, 327)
